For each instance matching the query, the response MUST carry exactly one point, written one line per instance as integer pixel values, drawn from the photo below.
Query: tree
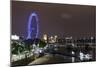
(42, 44)
(17, 47)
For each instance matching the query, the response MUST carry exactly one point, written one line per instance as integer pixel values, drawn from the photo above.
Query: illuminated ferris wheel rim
(33, 14)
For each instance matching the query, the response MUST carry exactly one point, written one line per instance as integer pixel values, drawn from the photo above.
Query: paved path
(47, 59)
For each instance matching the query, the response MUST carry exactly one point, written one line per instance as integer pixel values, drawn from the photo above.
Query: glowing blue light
(32, 29)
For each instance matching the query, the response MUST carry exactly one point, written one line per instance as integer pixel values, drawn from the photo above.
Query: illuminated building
(68, 39)
(45, 38)
(14, 37)
(53, 39)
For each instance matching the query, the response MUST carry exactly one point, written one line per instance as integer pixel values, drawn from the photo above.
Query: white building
(15, 37)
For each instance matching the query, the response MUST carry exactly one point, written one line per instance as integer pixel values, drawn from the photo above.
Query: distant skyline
(55, 19)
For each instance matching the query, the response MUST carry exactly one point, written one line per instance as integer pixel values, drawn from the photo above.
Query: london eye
(33, 26)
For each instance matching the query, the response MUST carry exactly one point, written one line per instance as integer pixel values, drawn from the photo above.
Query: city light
(14, 37)
(49, 34)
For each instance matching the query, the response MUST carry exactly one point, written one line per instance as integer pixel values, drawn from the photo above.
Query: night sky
(54, 19)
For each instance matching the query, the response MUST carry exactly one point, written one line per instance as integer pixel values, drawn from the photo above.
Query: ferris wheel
(33, 26)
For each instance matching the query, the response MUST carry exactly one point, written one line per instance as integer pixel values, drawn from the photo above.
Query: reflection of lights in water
(81, 56)
(73, 44)
(88, 56)
(73, 58)
(85, 57)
